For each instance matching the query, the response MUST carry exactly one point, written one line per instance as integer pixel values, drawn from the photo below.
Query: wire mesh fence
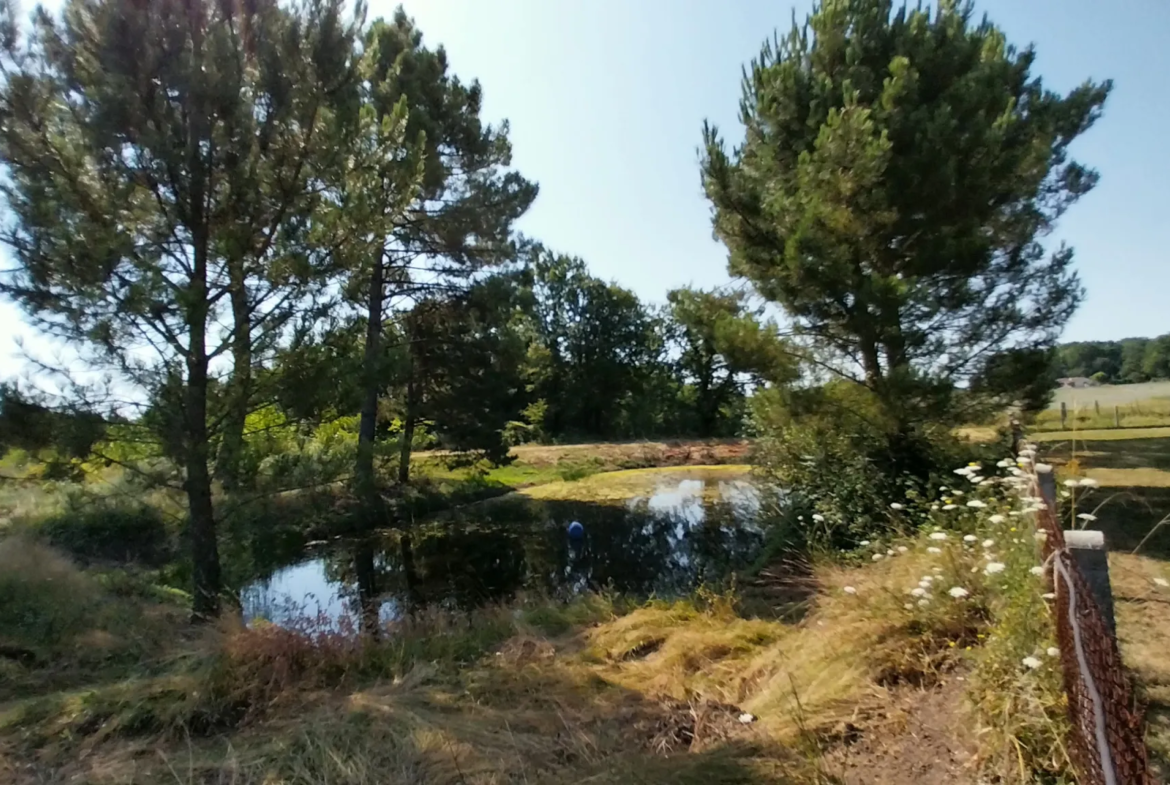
(1107, 744)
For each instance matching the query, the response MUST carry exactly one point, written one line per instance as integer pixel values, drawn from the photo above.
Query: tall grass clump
(980, 604)
(839, 459)
(45, 601)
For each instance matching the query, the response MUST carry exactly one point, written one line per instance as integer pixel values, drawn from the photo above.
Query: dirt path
(925, 735)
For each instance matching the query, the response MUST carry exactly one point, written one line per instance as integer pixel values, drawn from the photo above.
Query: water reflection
(687, 529)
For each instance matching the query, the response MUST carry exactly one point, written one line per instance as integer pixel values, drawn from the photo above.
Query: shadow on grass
(520, 718)
(1118, 453)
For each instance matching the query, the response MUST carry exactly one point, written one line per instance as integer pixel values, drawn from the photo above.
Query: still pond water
(660, 532)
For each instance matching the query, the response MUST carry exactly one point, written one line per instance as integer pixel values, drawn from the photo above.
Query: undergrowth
(597, 688)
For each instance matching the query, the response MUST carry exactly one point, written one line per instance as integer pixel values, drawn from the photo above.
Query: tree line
(288, 215)
(1128, 361)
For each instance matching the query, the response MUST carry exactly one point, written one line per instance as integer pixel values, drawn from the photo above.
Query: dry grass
(623, 485)
(1143, 629)
(587, 692)
(1100, 435)
(1110, 395)
(657, 691)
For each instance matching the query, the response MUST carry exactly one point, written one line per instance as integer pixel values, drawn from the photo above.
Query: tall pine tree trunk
(227, 467)
(365, 482)
(408, 421)
(367, 586)
(204, 548)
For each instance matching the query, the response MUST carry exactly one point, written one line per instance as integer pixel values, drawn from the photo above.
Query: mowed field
(1132, 506)
(1109, 395)
(1108, 406)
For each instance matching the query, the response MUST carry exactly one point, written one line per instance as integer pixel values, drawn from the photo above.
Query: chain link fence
(1107, 744)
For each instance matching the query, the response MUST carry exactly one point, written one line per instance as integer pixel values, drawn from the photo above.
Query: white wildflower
(1088, 482)
(957, 492)
(1044, 468)
(1031, 663)
(988, 543)
(958, 592)
(950, 506)
(864, 543)
(889, 551)
(936, 569)
(969, 538)
(1161, 582)
(994, 567)
(924, 602)
(1005, 463)
(976, 503)
(902, 549)
(1071, 483)
(1037, 570)
(819, 518)
(877, 557)
(849, 590)
(918, 592)
(975, 478)
(934, 506)
(1023, 460)
(924, 586)
(1087, 516)
(1040, 536)
(934, 550)
(897, 506)
(997, 518)
(963, 471)
(1053, 651)
(938, 535)
(1048, 596)
(927, 579)
(909, 606)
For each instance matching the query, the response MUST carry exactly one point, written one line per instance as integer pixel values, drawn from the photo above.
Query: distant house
(1076, 382)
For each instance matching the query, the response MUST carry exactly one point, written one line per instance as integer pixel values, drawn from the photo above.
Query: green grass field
(1108, 406)
(1109, 395)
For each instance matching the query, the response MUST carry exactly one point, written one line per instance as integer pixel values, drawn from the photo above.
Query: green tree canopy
(722, 347)
(900, 169)
(160, 159)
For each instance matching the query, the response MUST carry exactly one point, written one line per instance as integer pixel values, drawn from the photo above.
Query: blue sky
(606, 99)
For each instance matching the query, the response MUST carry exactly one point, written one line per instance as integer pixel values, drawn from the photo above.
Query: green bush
(833, 462)
(44, 600)
(108, 530)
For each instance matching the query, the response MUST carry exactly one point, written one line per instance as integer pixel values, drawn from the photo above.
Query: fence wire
(1107, 745)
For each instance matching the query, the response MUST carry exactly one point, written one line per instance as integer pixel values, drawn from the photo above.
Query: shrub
(834, 462)
(109, 530)
(45, 602)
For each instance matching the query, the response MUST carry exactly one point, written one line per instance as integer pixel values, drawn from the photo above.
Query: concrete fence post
(1087, 547)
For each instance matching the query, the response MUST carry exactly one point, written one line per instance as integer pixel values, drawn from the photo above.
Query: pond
(645, 532)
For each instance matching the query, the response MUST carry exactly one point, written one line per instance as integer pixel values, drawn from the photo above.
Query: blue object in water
(576, 530)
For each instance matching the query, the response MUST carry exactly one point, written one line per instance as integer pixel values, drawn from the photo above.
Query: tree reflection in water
(688, 532)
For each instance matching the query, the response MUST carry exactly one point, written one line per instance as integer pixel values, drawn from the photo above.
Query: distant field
(1109, 395)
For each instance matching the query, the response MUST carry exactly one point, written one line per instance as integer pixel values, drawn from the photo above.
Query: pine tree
(900, 169)
(159, 157)
(458, 213)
